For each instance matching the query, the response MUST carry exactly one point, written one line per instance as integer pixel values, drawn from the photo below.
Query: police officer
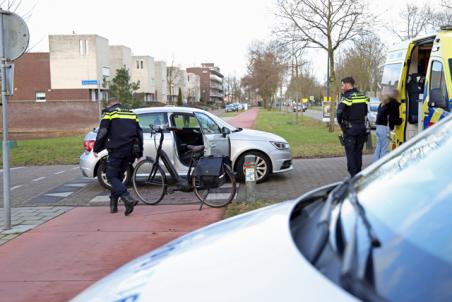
(122, 135)
(351, 115)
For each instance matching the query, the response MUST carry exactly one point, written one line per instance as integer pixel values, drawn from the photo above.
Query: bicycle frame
(162, 155)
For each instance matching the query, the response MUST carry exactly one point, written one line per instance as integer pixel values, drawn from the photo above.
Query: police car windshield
(408, 201)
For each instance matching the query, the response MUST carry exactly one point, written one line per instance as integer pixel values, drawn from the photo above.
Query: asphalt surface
(28, 183)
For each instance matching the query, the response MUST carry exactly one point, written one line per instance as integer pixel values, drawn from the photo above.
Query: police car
(382, 236)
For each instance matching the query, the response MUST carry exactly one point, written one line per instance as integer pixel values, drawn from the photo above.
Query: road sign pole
(6, 173)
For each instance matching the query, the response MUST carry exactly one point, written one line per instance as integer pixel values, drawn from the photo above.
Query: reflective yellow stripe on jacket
(120, 115)
(355, 99)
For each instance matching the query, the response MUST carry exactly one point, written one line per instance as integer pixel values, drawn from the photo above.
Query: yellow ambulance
(421, 70)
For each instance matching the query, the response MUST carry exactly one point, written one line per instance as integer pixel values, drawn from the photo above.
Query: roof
(168, 109)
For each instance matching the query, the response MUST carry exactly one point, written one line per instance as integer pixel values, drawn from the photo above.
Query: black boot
(113, 204)
(129, 203)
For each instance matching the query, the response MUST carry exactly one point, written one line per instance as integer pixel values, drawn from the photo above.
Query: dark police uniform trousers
(354, 140)
(117, 164)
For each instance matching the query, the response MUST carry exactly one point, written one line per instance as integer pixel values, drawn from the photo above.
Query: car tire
(102, 175)
(263, 165)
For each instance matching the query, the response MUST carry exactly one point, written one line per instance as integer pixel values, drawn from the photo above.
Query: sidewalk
(58, 259)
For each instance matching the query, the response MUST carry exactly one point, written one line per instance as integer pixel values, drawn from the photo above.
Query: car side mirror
(225, 131)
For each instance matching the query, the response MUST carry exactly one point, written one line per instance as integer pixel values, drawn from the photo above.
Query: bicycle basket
(210, 171)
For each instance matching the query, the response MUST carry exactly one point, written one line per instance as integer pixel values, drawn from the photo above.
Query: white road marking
(75, 185)
(38, 179)
(58, 172)
(16, 187)
(12, 169)
(101, 198)
(76, 168)
(63, 194)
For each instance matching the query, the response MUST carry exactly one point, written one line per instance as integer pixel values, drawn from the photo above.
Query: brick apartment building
(211, 82)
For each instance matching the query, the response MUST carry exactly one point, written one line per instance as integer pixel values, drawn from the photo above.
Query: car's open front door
(216, 142)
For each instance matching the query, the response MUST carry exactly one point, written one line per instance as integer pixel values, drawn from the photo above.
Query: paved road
(28, 183)
(315, 114)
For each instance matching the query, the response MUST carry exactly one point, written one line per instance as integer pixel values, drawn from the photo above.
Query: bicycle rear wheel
(216, 197)
(149, 182)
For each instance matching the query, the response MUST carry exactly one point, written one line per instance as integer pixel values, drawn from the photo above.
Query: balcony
(215, 78)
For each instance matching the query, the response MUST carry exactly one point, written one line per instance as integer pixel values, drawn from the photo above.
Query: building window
(138, 64)
(40, 96)
(141, 64)
(84, 47)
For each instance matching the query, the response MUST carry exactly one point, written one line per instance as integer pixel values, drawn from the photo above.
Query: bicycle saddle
(195, 149)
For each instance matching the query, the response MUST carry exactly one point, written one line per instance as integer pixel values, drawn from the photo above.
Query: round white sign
(16, 36)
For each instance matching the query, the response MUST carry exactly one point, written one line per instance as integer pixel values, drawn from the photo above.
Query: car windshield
(408, 200)
(221, 122)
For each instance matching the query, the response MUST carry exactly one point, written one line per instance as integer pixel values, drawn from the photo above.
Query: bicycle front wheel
(216, 197)
(149, 182)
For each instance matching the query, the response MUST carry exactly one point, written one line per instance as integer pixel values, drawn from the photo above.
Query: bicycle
(151, 184)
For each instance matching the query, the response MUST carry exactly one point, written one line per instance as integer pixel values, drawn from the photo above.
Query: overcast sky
(190, 31)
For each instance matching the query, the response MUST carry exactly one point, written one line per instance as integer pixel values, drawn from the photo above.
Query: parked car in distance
(372, 109)
(198, 127)
(231, 108)
(300, 107)
(383, 235)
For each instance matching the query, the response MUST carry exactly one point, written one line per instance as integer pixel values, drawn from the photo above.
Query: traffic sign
(16, 35)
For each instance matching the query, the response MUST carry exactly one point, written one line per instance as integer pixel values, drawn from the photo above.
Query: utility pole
(6, 172)
(14, 39)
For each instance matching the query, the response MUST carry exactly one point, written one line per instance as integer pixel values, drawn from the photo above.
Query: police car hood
(256, 135)
(251, 257)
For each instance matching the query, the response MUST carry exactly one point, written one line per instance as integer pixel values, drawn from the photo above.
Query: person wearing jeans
(388, 116)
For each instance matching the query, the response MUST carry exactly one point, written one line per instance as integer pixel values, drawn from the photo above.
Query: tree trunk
(333, 90)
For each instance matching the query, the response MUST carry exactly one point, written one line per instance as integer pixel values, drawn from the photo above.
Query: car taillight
(89, 145)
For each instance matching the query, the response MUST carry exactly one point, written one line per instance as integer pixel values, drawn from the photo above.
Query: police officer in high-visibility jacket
(351, 116)
(122, 135)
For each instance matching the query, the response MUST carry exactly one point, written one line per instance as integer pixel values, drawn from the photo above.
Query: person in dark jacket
(121, 134)
(388, 117)
(351, 115)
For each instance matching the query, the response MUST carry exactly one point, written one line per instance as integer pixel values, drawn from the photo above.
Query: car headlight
(280, 145)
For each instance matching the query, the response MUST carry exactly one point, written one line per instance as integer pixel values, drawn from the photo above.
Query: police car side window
(208, 126)
(181, 120)
(438, 88)
(156, 119)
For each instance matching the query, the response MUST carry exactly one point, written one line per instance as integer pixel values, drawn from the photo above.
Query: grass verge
(49, 151)
(308, 138)
(237, 208)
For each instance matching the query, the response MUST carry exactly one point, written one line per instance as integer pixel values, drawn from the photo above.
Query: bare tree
(415, 20)
(265, 71)
(363, 61)
(325, 24)
(442, 15)
(171, 77)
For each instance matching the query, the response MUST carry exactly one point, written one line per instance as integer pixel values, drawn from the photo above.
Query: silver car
(372, 109)
(199, 127)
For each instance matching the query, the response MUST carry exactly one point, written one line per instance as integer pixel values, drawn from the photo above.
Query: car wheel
(263, 166)
(102, 174)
